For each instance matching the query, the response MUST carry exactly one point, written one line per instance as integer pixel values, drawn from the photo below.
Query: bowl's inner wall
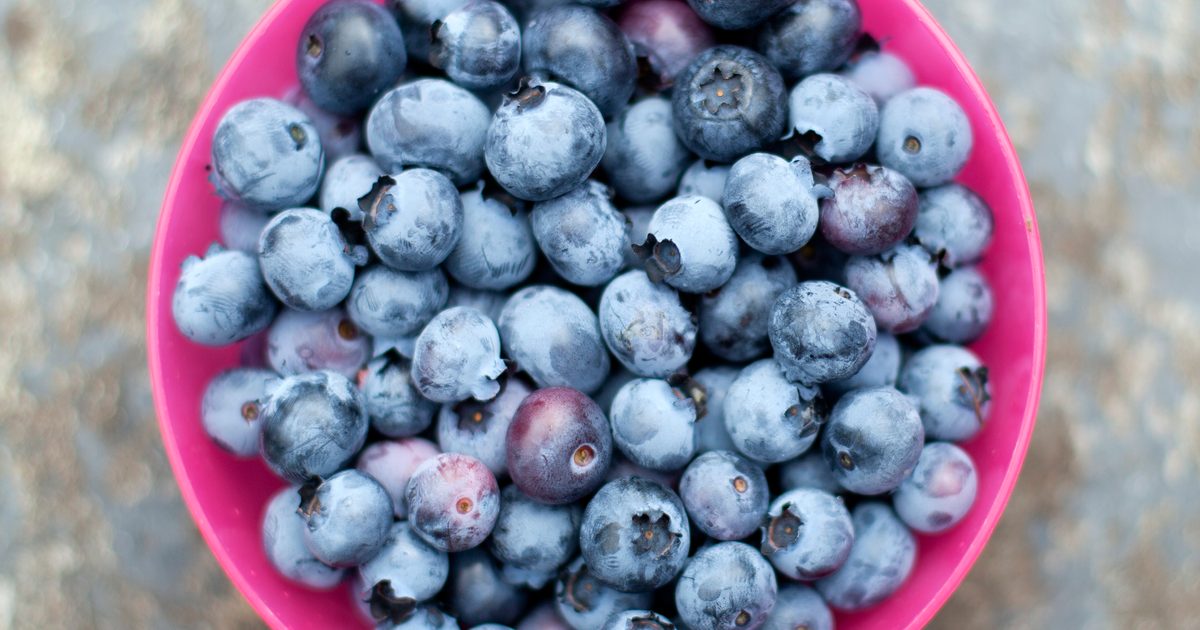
(226, 496)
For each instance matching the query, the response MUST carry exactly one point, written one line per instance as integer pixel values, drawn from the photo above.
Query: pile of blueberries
(437, 247)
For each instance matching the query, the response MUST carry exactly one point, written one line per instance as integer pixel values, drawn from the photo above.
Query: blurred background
(1102, 98)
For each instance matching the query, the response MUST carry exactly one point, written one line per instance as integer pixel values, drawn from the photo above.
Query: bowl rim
(1015, 174)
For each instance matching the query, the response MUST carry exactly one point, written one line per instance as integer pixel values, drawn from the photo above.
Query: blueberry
(544, 140)
(644, 158)
(873, 440)
(532, 536)
(306, 261)
(769, 418)
(734, 318)
(645, 326)
(220, 298)
(637, 227)
(405, 572)
(347, 180)
(690, 245)
(772, 203)
(240, 226)
(940, 491)
(955, 224)
(559, 446)
(883, 368)
(479, 429)
(453, 501)
(880, 74)
(726, 586)
(799, 606)
(666, 36)
(266, 154)
(429, 123)
(899, 286)
(478, 45)
(585, 602)
(416, 19)
(496, 250)
(478, 593)
(457, 356)
(391, 398)
(283, 540)
(347, 518)
(812, 36)
(821, 332)
(729, 102)
(925, 135)
(231, 408)
(489, 303)
(737, 14)
(543, 617)
(393, 303)
(392, 463)
(413, 220)
(582, 234)
(725, 494)
(963, 309)
(810, 470)
(301, 341)
(880, 561)
(349, 52)
(654, 424)
(872, 209)
(425, 618)
(312, 425)
(637, 620)
(635, 535)
(711, 434)
(583, 48)
(834, 116)
(554, 337)
(340, 135)
(950, 386)
(704, 178)
(807, 534)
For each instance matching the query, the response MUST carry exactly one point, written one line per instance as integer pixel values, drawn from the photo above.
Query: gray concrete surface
(1101, 96)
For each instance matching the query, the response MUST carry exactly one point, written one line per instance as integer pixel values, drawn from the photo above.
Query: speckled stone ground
(1101, 96)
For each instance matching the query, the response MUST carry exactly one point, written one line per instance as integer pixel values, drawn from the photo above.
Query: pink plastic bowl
(227, 496)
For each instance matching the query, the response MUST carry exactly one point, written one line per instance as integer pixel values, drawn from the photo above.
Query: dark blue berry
(477, 592)
(821, 332)
(582, 234)
(283, 540)
(585, 602)
(644, 158)
(653, 424)
(480, 429)
(457, 356)
(737, 14)
(583, 48)
(645, 326)
(963, 309)
(390, 303)
(873, 439)
(405, 572)
(231, 409)
(769, 418)
(729, 102)
(477, 45)
(690, 245)
(496, 249)
(954, 224)
(799, 606)
(811, 36)
(940, 491)
(833, 116)
(349, 52)
(772, 203)
(950, 386)
(533, 537)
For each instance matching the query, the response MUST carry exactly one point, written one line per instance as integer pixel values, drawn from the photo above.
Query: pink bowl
(227, 496)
